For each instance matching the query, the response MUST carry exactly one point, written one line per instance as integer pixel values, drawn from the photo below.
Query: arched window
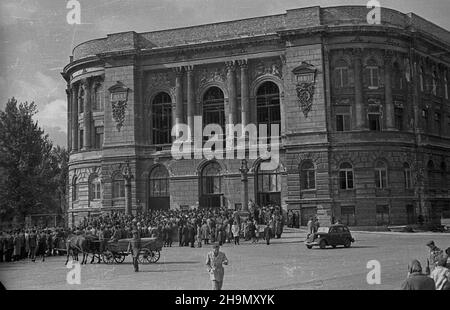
(372, 74)
(162, 118)
(98, 97)
(341, 74)
(118, 186)
(159, 182)
(345, 176)
(211, 186)
(307, 176)
(75, 189)
(268, 106)
(407, 175)
(213, 107)
(81, 100)
(95, 188)
(268, 186)
(381, 180)
(443, 175)
(159, 195)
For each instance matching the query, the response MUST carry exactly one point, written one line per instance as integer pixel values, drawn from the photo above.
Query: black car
(333, 235)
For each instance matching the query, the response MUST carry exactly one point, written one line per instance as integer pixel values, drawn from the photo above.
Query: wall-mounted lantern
(305, 77)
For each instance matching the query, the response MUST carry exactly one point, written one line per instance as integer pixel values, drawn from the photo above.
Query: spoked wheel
(154, 257)
(144, 256)
(119, 258)
(108, 257)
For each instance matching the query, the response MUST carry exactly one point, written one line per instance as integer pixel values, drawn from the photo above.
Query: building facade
(363, 111)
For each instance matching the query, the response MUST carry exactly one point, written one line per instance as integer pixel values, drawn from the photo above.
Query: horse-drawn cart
(116, 251)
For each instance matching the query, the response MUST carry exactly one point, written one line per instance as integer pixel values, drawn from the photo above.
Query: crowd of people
(436, 275)
(192, 228)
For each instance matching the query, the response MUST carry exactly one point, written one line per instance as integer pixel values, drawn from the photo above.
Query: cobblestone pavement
(285, 264)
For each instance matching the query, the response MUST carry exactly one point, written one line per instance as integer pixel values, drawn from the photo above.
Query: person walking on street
(435, 254)
(33, 244)
(416, 279)
(235, 231)
(135, 247)
(267, 233)
(215, 261)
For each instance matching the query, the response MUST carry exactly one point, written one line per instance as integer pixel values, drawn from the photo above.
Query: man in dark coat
(267, 233)
(416, 279)
(135, 247)
(33, 243)
(185, 235)
(191, 235)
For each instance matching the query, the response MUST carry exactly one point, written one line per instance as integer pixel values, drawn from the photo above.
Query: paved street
(285, 264)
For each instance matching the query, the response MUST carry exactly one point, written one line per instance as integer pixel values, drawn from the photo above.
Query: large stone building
(363, 109)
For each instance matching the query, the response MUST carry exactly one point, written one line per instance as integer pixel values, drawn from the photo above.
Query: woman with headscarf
(416, 280)
(441, 274)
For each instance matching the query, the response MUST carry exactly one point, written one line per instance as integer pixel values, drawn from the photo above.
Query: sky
(36, 39)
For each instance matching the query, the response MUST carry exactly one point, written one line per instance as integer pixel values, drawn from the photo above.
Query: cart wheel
(144, 256)
(154, 257)
(108, 257)
(119, 258)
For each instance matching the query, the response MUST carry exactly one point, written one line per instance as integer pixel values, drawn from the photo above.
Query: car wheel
(347, 243)
(309, 247)
(334, 246)
(323, 244)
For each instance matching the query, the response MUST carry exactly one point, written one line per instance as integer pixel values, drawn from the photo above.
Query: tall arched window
(162, 118)
(268, 106)
(445, 85)
(381, 180)
(345, 176)
(95, 188)
(98, 97)
(159, 195)
(443, 175)
(407, 175)
(268, 186)
(307, 176)
(211, 186)
(213, 107)
(118, 186)
(75, 189)
(398, 77)
(341, 74)
(372, 74)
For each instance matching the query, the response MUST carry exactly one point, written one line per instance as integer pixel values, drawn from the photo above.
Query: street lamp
(244, 191)
(128, 176)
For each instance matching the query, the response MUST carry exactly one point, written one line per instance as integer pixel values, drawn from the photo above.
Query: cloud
(12, 12)
(53, 114)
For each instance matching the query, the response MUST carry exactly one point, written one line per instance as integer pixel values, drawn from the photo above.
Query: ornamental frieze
(208, 75)
(159, 79)
(263, 68)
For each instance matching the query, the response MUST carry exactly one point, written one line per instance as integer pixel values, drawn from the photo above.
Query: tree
(31, 168)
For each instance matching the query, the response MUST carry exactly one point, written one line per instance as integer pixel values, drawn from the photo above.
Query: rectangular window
(373, 77)
(98, 137)
(398, 118)
(382, 215)
(342, 122)
(374, 122)
(425, 119)
(408, 180)
(81, 135)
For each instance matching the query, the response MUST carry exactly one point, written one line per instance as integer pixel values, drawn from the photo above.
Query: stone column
(74, 117)
(232, 98)
(359, 104)
(69, 118)
(245, 103)
(190, 100)
(179, 96)
(390, 124)
(87, 115)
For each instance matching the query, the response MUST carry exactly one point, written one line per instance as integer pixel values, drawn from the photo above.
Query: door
(306, 213)
(410, 215)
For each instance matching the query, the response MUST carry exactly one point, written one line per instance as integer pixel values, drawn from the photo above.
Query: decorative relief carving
(119, 99)
(343, 101)
(305, 76)
(267, 68)
(208, 75)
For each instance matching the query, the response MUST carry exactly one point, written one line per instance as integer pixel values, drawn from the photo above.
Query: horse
(75, 244)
